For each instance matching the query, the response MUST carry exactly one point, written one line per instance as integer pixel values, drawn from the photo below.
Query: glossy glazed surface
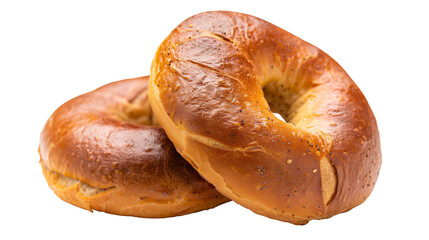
(216, 81)
(104, 150)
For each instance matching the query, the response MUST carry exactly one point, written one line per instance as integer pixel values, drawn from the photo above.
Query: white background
(52, 51)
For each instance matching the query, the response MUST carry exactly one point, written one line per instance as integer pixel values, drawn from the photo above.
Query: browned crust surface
(96, 154)
(207, 86)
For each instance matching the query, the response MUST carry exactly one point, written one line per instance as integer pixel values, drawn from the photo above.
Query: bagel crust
(215, 83)
(104, 150)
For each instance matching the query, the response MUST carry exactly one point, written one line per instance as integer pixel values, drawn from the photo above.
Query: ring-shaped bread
(216, 81)
(104, 151)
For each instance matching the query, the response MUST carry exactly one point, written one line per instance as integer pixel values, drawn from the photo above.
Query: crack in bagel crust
(62, 182)
(216, 81)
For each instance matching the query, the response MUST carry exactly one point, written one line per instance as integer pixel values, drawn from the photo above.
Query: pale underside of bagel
(215, 83)
(120, 201)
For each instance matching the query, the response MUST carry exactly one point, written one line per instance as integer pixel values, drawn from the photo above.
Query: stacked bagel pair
(214, 86)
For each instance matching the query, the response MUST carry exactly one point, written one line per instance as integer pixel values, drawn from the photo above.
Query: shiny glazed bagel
(215, 83)
(103, 151)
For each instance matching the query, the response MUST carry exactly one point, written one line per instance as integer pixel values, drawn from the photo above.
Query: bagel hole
(137, 116)
(288, 99)
(280, 99)
(137, 110)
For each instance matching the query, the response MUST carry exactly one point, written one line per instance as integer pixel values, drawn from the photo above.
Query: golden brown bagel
(102, 151)
(216, 81)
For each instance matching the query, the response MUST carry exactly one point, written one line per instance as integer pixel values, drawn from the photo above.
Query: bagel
(216, 82)
(103, 151)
